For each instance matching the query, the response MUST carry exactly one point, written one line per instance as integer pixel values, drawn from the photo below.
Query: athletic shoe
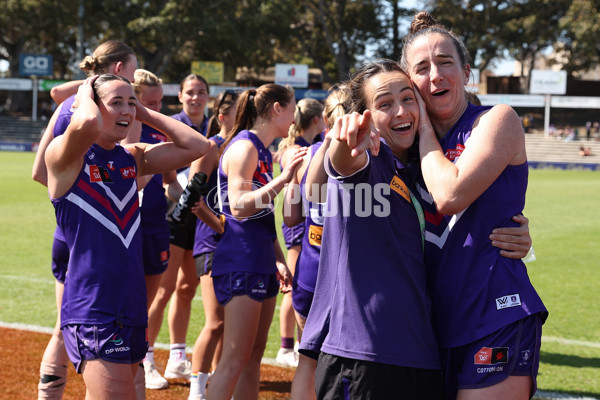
(287, 357)
(178, 369)
(153, 378)
(197, 397)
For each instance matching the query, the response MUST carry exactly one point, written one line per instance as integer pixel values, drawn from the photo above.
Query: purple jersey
(371, 294)
(100, 219)
(183, 117)
(60, 126)
(153, 208)
(206, 238)
(247, 245)
(475, 290)
(64, 116)
(292, 235)
(308, 260)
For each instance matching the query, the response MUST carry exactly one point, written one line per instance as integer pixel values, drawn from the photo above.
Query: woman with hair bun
(487, 314)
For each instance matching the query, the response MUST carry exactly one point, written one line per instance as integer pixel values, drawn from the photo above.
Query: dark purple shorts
(156, 252)
(301, 299)
(108, 342)
(258, 287)
(512, 350)
(60, 259)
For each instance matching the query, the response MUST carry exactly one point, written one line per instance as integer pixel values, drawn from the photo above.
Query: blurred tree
(580, 45)
(533, 26)
(478, 23)
(333, 34)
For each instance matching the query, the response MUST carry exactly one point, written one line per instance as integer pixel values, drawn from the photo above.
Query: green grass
(564, 221)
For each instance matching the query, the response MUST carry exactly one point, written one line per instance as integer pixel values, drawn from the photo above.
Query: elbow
(449, 205)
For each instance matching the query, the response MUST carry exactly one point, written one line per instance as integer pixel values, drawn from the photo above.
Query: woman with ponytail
(248, 266)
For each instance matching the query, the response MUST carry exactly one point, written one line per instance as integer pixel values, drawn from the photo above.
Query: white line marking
(570, 341)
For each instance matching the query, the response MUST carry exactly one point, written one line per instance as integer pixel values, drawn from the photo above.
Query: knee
(215, 328)
(186, 291)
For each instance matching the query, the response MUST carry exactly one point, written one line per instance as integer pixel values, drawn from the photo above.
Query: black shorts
(345, 378)
(182, 235)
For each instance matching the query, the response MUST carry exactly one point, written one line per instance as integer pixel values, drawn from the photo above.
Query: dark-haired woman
(92, 185)
(112, 57)
(487, 314)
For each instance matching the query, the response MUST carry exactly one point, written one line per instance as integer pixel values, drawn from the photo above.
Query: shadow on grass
(573, 362)
(569, 360)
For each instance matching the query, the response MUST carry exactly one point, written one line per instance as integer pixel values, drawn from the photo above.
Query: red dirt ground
(21, 352)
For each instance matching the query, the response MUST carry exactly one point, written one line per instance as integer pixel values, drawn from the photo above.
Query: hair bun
(422, 20)
(89, 63)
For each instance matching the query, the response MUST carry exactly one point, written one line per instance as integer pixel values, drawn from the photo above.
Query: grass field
(565, 226)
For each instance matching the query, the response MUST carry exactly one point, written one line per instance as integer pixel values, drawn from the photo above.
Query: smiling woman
(109, 316)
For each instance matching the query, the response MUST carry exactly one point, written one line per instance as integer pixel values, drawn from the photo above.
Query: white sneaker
(178, 369)
(287, 357)
(153, 378)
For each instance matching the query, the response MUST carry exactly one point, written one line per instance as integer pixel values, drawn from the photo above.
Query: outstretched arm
(65, 90)
(240, 162)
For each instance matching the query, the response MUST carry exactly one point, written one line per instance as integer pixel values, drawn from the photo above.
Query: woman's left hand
(285, 277)
(513, 242)
(424, 126)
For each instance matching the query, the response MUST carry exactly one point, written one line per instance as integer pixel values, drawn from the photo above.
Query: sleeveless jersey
(206, 238)
(372, 280)
(308, 260)
(60, 126)
(100, 219)
(292, 235)
(475, 290)
(153, 207)
(247, 245)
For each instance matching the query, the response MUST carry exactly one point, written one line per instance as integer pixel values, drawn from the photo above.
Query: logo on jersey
(400, 187)
(128, 172)
(315, 235)
(158, 136)
(164, 255)
(491, 356)
(511, 300)
(111, 165)
(452, 154)
(265, 168)
(99, 174)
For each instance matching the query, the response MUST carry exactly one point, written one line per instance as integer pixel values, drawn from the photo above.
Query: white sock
(177, 352)
(194, 386)
(202, 379)
(150, 355)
